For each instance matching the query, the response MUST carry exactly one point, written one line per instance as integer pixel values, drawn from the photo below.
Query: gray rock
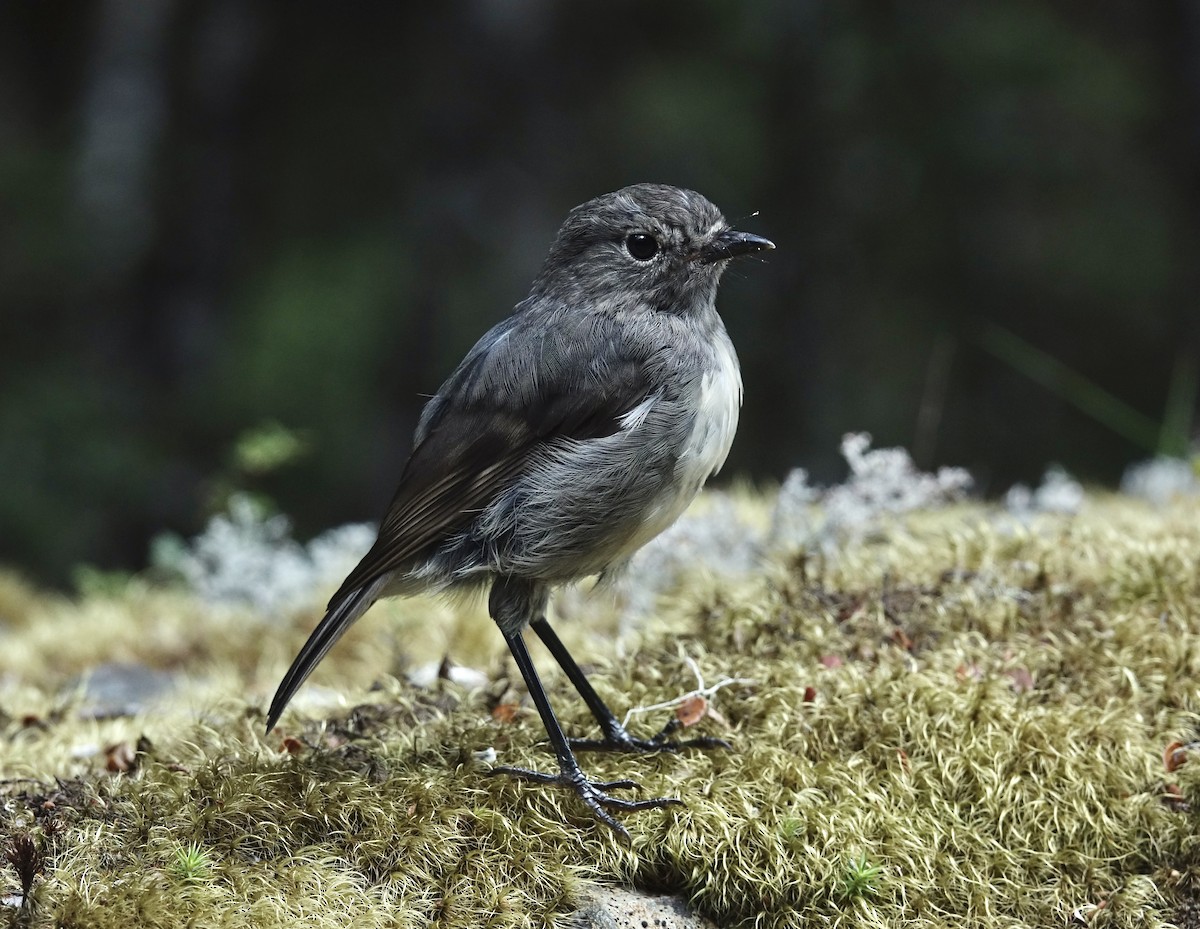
(621, 908)
(120, 689)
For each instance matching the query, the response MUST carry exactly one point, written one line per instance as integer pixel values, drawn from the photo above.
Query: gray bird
(571, 434)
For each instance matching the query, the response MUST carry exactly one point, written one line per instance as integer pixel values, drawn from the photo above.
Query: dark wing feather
(492, 416)
(482, 429)
(341, 615)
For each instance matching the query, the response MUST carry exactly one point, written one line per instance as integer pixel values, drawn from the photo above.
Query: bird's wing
(516, 391)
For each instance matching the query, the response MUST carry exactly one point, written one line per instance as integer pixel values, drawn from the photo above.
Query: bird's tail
(342, 613)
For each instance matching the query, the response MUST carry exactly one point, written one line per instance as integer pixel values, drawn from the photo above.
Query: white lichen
(247, 557)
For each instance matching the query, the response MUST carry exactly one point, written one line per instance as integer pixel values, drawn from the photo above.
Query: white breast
(716, 418)
(719, 397)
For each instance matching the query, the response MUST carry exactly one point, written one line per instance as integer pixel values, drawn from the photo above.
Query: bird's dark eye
(641, 246)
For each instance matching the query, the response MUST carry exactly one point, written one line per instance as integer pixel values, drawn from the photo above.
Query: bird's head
(653, 243)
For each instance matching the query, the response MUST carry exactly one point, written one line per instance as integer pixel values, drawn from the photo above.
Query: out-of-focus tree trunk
(124, 113)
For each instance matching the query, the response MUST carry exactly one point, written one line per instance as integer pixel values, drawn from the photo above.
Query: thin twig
(700, 691)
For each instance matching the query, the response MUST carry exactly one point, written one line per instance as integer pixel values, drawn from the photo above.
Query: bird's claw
(645, 746)
(618, 739)
(594, 793)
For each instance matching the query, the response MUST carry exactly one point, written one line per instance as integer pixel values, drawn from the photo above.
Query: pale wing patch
(637, 416)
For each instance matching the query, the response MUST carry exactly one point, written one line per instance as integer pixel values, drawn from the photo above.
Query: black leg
(616, 736)
(593, 793)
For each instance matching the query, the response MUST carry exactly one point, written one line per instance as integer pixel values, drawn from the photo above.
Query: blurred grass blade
(1085, 395)
(1180, 412)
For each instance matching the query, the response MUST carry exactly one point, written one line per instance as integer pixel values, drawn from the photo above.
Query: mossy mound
(960, 719)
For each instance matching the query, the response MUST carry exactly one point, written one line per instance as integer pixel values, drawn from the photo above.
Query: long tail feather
(342, 613)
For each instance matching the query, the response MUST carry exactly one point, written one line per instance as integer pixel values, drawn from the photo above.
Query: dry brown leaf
(1174, 755)
(506, 712)
(120, 758)
(691, 710)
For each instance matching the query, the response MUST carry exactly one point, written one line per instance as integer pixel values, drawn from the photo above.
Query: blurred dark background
(219, 215)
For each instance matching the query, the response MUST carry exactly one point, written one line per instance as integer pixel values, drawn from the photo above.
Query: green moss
(962, 718)
(191, 864)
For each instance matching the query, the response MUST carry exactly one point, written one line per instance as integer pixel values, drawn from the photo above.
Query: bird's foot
(595, 794)
(617, 739)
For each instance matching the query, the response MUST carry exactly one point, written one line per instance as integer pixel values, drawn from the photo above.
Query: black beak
(730, 244)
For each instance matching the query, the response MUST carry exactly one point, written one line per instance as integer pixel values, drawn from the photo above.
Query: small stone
(121, 689)
(622, 908)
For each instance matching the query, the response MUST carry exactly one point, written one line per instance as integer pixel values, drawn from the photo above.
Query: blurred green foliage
(270, 446)
(216, 215)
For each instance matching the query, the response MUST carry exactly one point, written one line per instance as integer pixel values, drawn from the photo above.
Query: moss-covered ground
(961, 719)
